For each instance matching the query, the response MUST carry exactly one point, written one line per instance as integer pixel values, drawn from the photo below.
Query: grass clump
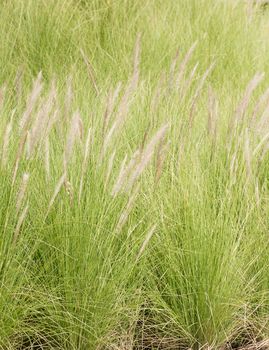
(134, 175)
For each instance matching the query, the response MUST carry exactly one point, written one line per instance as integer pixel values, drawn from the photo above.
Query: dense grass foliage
(134, 174)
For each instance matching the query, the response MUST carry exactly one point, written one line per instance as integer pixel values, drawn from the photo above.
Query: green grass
(134, 175)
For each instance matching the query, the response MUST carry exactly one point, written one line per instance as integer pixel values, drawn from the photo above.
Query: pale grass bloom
(22, 191)
(146, 156)
(125, 213)
(6, 142)
(20, 223)
(146, 241)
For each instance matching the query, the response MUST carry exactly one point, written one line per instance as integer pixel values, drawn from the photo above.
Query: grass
(134, 175)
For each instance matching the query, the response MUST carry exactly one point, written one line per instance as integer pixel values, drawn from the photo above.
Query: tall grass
(133, 175)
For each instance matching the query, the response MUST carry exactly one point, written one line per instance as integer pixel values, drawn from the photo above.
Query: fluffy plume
(121, 177)
(241, 109)
(124, 103)
(184, 64)
(18, 81)
(40, 124)
(68, 98)
(19, 223)
(261, 144)
(125, 172)
(125, 213)
(6, 142)
(188, 82)
(146, 156)
(146, 241)
(2, 95)
(22, 191)
(31, 102)
(161, 155)
(264, 99)
(111, 99)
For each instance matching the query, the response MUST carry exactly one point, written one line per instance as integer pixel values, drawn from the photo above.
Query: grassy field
(134, 175)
